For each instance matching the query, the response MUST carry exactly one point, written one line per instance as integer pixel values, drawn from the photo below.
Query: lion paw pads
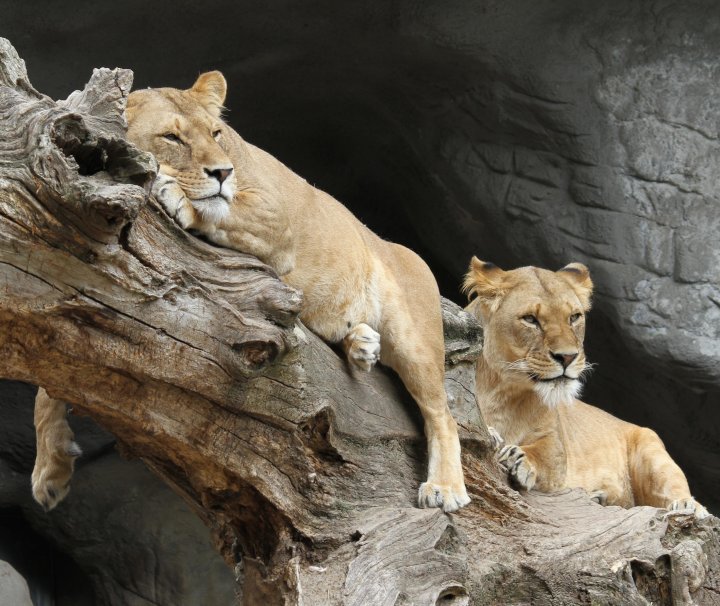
(447, 497)
(521, 471)
(362, 345)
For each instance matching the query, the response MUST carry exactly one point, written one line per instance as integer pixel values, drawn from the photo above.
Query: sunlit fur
(528, 379)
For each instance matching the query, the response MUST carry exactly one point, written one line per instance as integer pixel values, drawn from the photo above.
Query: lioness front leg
(56, 451)
(362, 346)
(168, 192)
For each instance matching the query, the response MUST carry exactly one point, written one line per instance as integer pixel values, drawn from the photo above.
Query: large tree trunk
(305, 471)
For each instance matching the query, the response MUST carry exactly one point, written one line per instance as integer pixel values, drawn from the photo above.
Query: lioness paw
(448, 497)
(362, 346)
(689, 505)
(497, 440)
(51, 478)
(599, 496)
(173, 199)
(521, 471)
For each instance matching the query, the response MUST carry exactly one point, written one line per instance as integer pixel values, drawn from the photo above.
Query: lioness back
(528, 377)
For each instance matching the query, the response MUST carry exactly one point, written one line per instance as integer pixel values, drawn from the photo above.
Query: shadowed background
(529, 132)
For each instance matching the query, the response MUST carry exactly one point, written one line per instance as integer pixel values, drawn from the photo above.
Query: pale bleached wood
(304, 470)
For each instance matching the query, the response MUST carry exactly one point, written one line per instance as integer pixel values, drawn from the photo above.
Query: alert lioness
(528, 377)
(378, 298)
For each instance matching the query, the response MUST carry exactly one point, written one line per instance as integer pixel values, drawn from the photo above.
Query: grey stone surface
(13, 588)
(530, 132)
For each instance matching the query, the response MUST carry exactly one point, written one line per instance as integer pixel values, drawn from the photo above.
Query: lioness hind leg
(421, 368)
(362, 346)
(656, 479)
(56, 451)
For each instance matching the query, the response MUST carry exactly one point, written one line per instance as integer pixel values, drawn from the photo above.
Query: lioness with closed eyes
(378, 298)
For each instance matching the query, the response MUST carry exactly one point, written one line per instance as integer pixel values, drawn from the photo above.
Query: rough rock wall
(531, 132)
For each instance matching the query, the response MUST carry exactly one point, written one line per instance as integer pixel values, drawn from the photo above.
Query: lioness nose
(219, 173)
(565, 359)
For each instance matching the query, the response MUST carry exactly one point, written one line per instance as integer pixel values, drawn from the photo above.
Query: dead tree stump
(305, 471)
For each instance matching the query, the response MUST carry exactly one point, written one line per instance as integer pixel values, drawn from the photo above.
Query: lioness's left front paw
(173, 199)
(522, 472)
(450, 498)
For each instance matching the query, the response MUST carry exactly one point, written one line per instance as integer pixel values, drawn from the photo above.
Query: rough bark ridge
(305, 473)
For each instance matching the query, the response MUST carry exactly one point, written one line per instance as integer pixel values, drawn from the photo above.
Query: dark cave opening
(53, 577)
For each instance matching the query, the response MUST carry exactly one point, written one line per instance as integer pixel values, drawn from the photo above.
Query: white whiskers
(520, 365)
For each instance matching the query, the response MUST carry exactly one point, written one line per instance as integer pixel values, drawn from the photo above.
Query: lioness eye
(530, 319)
(172, 137)
(575, 317)
(216, 134)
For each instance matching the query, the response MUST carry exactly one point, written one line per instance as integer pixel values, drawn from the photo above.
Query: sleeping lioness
(528, 377)
(377, 298)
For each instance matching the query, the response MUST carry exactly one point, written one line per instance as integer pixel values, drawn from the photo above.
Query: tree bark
(305, 471)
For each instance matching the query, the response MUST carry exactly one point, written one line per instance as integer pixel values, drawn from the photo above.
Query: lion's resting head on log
(528, 377)
(184, 132)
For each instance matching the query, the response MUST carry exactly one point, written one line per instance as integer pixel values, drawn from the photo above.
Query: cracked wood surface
(305, 471)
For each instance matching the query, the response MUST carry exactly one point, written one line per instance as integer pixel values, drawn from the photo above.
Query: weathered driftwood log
(305, 471)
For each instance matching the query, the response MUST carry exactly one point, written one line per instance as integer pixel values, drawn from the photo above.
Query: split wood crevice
(305, 471)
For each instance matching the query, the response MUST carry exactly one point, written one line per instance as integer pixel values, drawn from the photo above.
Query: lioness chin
(378, 298)
(528, 377)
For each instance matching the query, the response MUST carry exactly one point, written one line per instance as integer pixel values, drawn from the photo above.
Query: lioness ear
(578, 276)
(210, 89)
(486, 282)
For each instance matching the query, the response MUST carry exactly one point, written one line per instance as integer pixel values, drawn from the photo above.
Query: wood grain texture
(305, 470)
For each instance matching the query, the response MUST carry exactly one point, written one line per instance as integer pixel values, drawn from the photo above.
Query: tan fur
(378, 298)
(527, 379)
(56, 451)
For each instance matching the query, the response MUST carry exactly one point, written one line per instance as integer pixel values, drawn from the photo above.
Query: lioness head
(534, 324)
(183, 130)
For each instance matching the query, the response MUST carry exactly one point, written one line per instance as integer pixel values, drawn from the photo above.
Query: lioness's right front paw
(521, 471)
(51, 477)
(168, 192)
